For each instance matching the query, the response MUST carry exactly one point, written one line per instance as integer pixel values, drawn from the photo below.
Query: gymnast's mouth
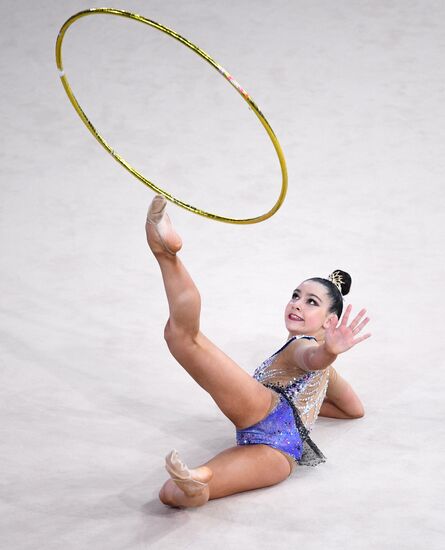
(294, 317)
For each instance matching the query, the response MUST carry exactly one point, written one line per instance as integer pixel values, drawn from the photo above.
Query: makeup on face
(307, 309)
(297, 294)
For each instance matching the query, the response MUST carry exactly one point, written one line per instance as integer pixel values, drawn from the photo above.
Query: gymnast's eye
(312, 302)
(294, 295)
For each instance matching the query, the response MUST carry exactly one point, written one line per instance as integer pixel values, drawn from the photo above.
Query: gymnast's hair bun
(341, 280)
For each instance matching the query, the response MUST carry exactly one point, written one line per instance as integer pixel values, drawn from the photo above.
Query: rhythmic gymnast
(274, 410)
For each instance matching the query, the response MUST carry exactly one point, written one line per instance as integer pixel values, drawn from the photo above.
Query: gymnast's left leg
(235, 470)
(240, 397)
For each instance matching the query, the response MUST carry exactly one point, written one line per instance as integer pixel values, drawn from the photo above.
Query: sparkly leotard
(288, 425)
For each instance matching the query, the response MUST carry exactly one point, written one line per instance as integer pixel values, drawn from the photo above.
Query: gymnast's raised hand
(339, 339)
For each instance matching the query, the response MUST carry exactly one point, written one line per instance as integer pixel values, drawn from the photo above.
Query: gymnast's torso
(305, 389)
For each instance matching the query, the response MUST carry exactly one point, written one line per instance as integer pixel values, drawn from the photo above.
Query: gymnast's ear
(330, 321)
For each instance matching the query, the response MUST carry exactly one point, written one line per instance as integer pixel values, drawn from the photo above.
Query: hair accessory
(337, 278)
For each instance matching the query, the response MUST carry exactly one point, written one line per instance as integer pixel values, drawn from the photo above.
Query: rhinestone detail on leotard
(304, 392)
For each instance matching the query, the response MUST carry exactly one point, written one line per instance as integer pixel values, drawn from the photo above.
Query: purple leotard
(283, 428)
(277, 430)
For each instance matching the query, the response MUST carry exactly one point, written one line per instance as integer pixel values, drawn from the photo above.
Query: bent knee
(246, 467)
(168, 333)
(278, 464)
(177, 337)
(174, 333)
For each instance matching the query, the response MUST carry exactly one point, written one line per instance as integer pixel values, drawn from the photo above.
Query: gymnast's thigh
(244, 468)
(240, 397)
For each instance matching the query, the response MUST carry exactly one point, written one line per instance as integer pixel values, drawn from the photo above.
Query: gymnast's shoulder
(298, 353)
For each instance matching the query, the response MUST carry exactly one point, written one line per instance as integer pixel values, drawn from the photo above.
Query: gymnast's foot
(161, 236)
(191, 481)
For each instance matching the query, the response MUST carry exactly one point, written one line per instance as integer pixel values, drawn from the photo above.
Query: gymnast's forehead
(312, 287)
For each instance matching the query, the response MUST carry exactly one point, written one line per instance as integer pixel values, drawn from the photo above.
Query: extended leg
(235, 470)
(241, 398)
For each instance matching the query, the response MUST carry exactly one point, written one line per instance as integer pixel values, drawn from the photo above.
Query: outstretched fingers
(355, 322)
(361, 338)
(357, 326)
(345, 317)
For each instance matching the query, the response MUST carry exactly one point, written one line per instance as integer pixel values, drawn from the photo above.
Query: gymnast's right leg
(239, 396)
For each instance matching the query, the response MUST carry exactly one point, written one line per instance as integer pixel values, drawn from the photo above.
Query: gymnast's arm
(337, 339)
(341, 401)
(310, 356)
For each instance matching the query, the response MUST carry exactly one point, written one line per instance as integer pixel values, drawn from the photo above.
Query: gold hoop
(223, 72)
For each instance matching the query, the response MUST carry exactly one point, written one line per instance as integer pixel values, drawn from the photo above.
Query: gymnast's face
(308, 310)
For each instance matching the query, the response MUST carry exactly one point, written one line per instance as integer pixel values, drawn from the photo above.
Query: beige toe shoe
(155, 214)
(181, 475)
